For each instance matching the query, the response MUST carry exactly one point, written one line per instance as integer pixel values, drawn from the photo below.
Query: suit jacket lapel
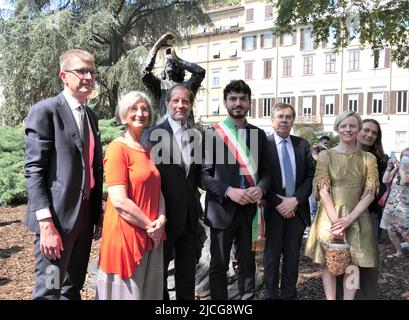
(297, 155)
(68, 120)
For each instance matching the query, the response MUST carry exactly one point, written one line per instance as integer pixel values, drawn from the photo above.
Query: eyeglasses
(82, 73)
(283, 117)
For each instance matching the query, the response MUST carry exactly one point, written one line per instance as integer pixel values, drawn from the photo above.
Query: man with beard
(235, 176)
(173, 73)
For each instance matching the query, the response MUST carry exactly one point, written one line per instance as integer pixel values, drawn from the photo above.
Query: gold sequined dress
(348, 176)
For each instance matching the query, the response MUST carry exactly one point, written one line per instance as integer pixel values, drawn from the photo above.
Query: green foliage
(118, 32)
(377, 23)
(12, 181)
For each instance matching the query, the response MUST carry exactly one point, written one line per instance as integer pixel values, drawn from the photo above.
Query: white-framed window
(215, 78)
(201, 52)
(353, 36)
(308, 64)
(307, 41)
(286, 100)
(287, 67)
(401, 140)
(215, 106)
(268, 40)
(287, 39)
(201, 29)
(267, 104)
(234, 22)
(216, 50)
(249, 43)
(307, 106)
(217, 25)
(379, 58)
(377, 102)
(402, 102)
(233, 49)
(184, 53)
(233, 74)
(248, 70)
(330, 62)
(329, 105)
(331, 38)
(354, 60)
(353, 102)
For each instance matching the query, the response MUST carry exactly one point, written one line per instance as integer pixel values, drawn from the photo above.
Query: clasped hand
(155, 232)
(287, 207)
(339, 226)
(245, 196)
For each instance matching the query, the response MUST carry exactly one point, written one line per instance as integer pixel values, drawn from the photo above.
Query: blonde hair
(126, 103)
(67, 56)
(347, 114)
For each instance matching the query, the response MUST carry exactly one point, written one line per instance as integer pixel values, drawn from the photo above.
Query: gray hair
(347, 114)
(67, 56)
(280, 106)
(127, 102)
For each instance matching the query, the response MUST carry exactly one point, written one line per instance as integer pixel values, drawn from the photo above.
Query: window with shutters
(402, 102)
(377, 102)
(268, 40)
(354, 60)
(330, 62)
(307, 106)
(248, 70)
(248, 43)
(217, 25)
(330, 43)
(267, 104)
(267, 69)
(250, 15)
(329, 105)
(249, 113)
(216, 50)
(379, 58)
(306, 39)
(268, 12)
(307, 64)
(233, 49)
(287, 67)
(353, 102)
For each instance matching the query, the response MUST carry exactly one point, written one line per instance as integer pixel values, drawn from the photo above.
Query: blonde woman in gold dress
(345, 183)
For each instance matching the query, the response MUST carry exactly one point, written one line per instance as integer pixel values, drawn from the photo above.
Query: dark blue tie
(288, 170)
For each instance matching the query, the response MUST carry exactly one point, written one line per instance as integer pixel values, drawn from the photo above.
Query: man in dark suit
(63, 169)
(231, 199)
(287, 210)
(172, 145)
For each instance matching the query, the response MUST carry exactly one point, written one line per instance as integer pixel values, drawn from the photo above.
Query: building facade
(318, 82)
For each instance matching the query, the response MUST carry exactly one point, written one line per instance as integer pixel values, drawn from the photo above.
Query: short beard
(231, 114)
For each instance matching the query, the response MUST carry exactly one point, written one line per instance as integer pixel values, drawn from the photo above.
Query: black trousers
(221, 242)
(64, 278)
(183, 251)
(283, 237)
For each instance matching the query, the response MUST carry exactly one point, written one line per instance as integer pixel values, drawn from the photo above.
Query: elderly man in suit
(287, 210)
(172, 143)
(235, 176)
(63, 169)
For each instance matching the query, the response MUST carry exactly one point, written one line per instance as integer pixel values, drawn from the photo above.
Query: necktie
(84, 130)
(288, 170)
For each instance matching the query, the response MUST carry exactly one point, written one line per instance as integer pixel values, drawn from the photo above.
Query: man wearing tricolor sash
(235, 176)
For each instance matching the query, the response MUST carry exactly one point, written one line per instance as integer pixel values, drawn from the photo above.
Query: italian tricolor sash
(231, 138)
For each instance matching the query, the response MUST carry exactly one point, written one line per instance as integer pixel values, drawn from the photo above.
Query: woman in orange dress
(131, 259)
